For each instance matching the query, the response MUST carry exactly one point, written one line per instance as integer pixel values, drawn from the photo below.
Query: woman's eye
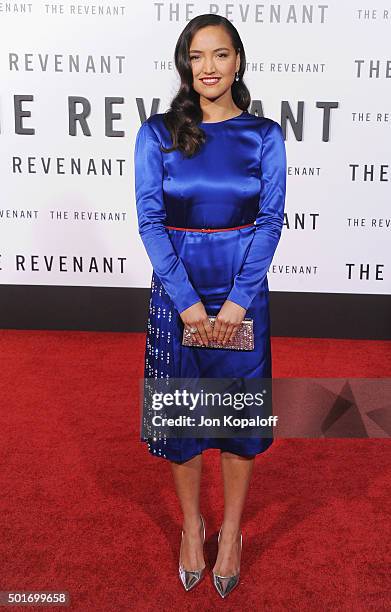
(195, 57)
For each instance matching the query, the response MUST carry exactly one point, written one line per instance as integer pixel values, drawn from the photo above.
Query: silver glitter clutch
(242, 341)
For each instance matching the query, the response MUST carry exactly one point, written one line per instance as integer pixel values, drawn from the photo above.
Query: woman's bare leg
(187, 479)
(236, 472)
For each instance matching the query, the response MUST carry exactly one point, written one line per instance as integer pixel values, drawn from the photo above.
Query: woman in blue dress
(209, 164)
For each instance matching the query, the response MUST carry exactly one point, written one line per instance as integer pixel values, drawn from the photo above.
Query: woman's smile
(210, 80)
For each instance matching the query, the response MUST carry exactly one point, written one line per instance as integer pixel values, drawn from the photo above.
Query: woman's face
(212, 55)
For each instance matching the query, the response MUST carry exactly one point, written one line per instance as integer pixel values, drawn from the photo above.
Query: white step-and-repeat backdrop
(77, 78)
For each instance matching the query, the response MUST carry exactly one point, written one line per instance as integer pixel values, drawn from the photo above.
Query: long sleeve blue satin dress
(236, 178)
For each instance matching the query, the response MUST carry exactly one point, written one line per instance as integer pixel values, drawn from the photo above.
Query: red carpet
(86, 509)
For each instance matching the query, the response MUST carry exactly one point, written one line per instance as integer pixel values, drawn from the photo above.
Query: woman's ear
(238, 60)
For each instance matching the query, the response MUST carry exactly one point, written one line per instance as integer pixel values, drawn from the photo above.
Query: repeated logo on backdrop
(78, 80)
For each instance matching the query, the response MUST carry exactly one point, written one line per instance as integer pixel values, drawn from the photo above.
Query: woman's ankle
(230, 530)
(192, 524)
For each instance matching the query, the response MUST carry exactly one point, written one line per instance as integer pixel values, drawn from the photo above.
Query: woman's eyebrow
(219, 49)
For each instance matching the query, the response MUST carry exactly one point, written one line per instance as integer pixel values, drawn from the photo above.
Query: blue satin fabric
(238, 177)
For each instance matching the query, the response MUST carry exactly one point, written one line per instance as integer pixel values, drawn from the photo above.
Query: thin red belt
(220, 229)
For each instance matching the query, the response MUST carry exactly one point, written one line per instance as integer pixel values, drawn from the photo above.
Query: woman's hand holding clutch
(229, 329)
(227, 321)
(196, 319)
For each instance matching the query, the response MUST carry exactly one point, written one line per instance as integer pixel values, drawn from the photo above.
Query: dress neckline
(224, 120)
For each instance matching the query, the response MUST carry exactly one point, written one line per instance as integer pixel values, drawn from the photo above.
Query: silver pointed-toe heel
(190, 578)
(225, 584)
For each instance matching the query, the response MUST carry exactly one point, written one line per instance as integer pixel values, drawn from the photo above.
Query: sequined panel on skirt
(162, 332)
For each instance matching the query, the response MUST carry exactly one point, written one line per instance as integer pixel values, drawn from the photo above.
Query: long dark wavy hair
(185, 112)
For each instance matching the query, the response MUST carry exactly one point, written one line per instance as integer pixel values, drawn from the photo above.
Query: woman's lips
(210, 81)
